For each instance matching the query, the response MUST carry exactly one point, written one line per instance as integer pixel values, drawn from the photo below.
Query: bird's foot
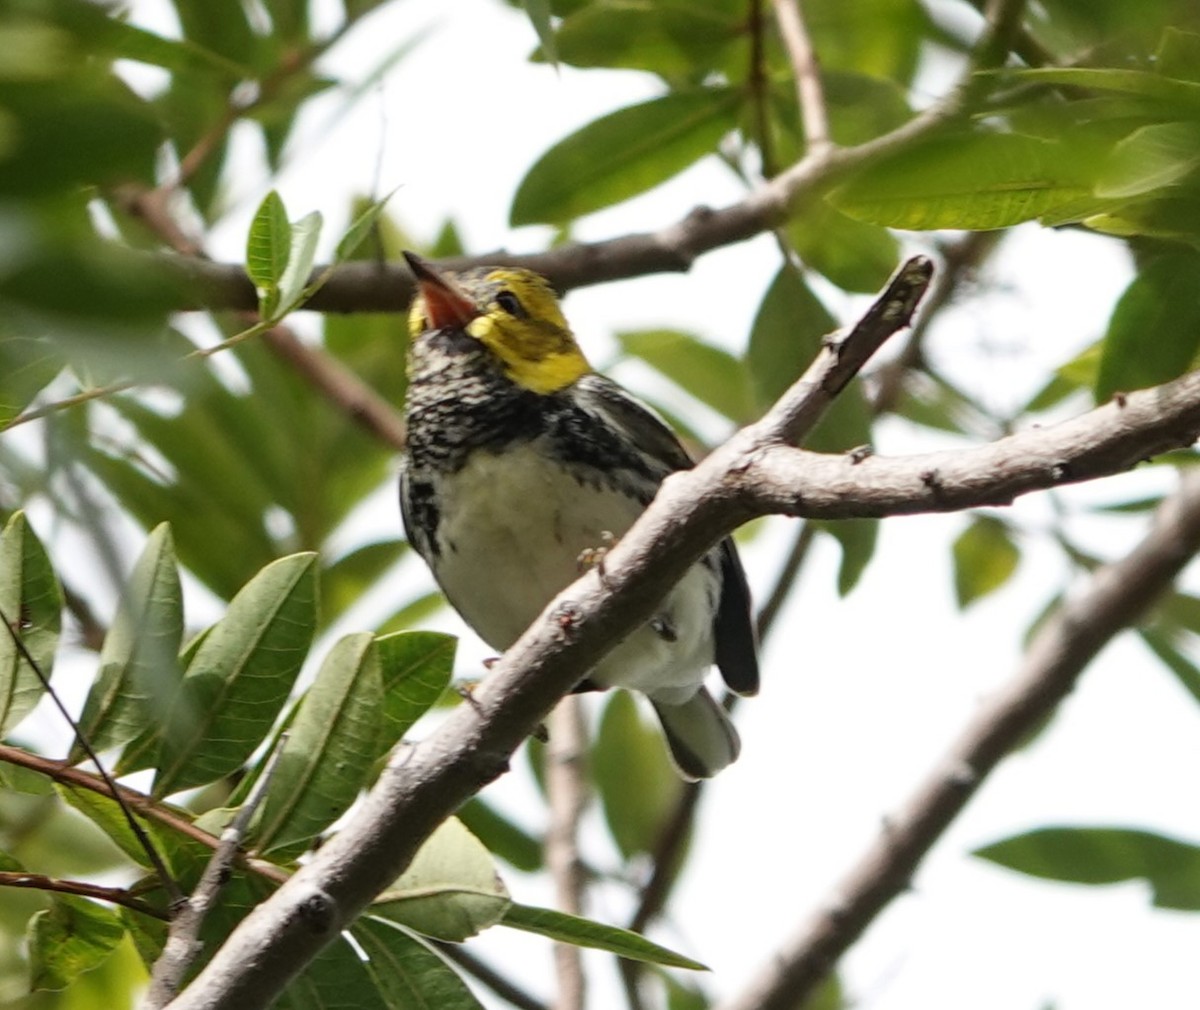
(593, 557)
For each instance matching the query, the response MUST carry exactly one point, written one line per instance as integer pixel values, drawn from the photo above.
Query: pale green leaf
(1150, 158)
(407, 974)
(71, 937)
(985, 557)
(267, 249)
(450, 891)
(977, 181)
(139, 667)
(585, 933)
(637, 783)
(302, 253)
(240, 676)
(623, 154)
(31, 605)
(1154, 331)
(1098, 855)
(330, 748)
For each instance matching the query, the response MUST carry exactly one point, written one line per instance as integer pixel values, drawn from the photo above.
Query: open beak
(445, 304)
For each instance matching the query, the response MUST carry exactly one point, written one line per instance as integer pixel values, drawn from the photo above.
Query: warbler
(520, 460)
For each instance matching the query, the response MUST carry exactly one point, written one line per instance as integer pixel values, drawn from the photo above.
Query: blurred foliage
(245, 478)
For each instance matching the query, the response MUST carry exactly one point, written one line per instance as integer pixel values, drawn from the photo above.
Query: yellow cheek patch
(541, 363)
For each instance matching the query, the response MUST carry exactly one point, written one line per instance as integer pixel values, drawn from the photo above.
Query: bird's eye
(511, 304)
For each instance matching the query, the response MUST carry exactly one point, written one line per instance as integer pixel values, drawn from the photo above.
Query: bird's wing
(733, 628)
(735, 640)
(641, 425)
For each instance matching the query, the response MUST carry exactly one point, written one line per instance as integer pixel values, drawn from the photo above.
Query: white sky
(860, 695)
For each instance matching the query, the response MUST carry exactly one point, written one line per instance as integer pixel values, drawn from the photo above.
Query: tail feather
(701, 737)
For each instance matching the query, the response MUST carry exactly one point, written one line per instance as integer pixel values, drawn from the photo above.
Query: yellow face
(514, 313)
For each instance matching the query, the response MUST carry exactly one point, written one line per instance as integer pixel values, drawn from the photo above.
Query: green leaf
(337, 979)
(360, 229)
(330, 748)
(139, 667)
(348, 579)
(622, 154)
(503, 837)
(977, 181)
(303, 252)
(450, 891)
(637, 784)
(416, 668)
(1178, 55)
(1106, 856)
(82, 126)
(27, 364)
(985, 557)
(108, 817)
(679, 41)
(713, 376)
(855, 255)
(71, 937)
(1153, 157)
(31, 602)
(240, 676)
(586, 933)
(786, 336)
(1154, 331)
(857, 539)
(406, 973)
(1184, 95)
(268, 247)
(538, 12)
(1173, 659)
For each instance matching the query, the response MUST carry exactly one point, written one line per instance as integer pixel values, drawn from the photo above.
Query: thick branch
(1113, 438)
(1070, 639)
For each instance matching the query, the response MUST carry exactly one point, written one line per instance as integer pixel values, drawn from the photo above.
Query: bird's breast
(510, 532)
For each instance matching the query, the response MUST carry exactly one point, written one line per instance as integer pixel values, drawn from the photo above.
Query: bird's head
(513, 313)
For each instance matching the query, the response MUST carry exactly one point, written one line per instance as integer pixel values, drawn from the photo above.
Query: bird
(521, 460)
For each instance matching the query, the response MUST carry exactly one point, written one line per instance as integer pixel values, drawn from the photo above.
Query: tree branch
(566, 796)
(149, 808)
(115, 895)
(183, 944)
(376, 287)
(1116, 595)
(810, 94)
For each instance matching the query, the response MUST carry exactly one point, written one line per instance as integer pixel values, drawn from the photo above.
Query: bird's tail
(700, 735)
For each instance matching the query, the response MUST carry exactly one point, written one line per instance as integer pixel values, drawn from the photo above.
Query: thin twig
(340, 386)
(566, 797)
(758, 87)
(1114, 599)
(366, 287)
(145, 805)
(114, 895)
(156, 861)
(959, 262)
(183, 944)
(810, 94)
(772, 606)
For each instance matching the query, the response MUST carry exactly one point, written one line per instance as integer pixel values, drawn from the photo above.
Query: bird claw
(593, 557)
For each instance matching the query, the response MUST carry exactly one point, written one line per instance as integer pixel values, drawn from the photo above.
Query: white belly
(511, 532)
